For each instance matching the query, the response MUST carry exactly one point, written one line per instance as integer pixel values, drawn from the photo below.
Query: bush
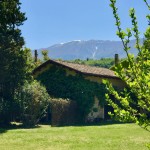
(64, 112)
(34, 101)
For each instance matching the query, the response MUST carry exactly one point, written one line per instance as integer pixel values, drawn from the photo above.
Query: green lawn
(102, 137)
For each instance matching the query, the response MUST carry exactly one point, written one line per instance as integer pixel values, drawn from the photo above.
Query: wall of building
(116, 82)
(96, 111)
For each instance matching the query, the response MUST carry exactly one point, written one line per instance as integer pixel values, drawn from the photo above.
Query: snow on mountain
(94, 49)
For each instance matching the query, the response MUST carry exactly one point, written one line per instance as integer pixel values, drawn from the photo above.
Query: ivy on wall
(76, 88)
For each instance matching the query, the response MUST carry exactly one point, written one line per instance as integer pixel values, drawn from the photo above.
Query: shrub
(34, 101)
(64, 112)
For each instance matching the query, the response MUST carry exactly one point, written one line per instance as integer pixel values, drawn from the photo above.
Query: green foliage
(45, 55)
(30, 63)
(76, 88)
(124, 63)
(132, 104)
(34, 101)
(12, 56)
(103, 62)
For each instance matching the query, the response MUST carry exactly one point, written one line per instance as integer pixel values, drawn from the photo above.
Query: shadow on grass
(102, 123)
(15, 126)
(2, 130)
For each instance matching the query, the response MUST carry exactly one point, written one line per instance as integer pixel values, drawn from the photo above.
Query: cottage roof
(84, 69)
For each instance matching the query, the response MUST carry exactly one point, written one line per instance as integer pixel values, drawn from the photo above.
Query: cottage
(78, 82)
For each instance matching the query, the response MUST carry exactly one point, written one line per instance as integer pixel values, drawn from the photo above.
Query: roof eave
(85, 73)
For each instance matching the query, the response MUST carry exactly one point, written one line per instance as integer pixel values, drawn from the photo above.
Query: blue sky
(57, 21)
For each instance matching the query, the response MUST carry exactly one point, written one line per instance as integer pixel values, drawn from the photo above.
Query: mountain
(93, 49)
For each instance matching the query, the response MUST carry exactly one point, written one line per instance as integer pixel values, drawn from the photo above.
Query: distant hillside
(103, 62)
(92, 49)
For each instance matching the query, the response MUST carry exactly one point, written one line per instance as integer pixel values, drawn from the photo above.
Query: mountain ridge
(92, 49)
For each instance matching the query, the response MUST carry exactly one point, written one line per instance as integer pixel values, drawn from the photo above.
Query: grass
(102, 137)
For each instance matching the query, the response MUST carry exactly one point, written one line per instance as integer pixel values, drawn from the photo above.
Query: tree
(45, 55)
(133, 103)
(12, 56)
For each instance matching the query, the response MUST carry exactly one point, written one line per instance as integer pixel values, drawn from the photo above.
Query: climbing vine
(60, 85)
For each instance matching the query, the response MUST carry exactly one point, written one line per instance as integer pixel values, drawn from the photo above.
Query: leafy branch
(133, 103)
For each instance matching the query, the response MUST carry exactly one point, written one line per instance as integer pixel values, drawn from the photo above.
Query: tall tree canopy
(12, 56)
